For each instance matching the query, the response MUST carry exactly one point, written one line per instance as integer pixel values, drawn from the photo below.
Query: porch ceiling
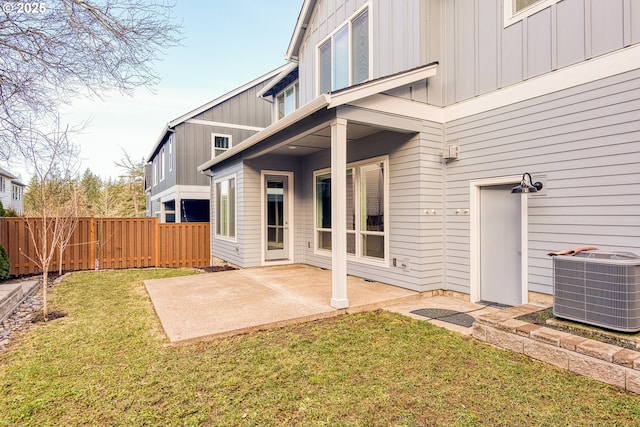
(320, 139)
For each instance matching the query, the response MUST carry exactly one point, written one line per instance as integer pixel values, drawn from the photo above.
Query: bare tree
(133, 178)
(59, 49)
(52, 203)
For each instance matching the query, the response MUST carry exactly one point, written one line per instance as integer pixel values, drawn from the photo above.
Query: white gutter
(382, 85)
(328, 101)
(317, 104)
(173, 123)
(288, 68)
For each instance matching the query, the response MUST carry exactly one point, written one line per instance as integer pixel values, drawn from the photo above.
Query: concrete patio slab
(228, 303)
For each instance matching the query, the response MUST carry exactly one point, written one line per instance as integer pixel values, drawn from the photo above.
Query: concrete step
(10, 296)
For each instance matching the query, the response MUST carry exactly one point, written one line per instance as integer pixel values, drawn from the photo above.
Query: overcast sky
(226, 43)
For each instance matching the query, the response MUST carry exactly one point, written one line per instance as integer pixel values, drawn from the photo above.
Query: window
(516, 10)
(365, 211)
(287, 101)
(161, 164)
(155, 171)
(169, 210)
(519, 5)
(16, 192)
(344, 57)
(1, 185)
(171, 138)
(219, 144)
(226, 207)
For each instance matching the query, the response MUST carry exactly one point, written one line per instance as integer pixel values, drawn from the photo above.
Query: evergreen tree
(5, 266)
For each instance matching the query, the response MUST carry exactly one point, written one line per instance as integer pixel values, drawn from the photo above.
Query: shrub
(5, 266)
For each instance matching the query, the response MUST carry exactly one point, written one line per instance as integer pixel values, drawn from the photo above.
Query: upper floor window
(1, 185)
(155, 171)
(170, 148)
(161, 164)
(287, 101)
(220, 144)
(516, 10)
(343, 58)
(16, 192)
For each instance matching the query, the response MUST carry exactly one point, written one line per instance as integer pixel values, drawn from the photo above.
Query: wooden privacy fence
(111, 243)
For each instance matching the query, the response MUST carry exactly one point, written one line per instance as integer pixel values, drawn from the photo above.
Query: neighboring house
(176, 191)
(414, 121)
(11, 192)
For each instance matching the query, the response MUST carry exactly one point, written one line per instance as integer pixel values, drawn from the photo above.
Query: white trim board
(474, 235)
(224, 125)
(197, 192)
(290, 213)
(618, 62)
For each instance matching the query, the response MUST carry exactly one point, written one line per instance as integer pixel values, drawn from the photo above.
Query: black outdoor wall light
(526, 186)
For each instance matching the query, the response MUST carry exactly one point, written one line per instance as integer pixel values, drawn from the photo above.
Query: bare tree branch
(71, 48)
(51, 197)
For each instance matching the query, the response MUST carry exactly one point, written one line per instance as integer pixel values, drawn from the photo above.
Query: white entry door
(276, 193)
(500, 245)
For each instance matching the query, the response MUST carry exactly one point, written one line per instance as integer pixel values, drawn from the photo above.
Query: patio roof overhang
(348, 114)
(365, 95)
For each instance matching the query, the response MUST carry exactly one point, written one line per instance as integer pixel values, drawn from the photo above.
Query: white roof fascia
(300, 29)
(211, 104)
(8, 174)
(328, 101)
(158, 142)
(317, 104)
(225, 97)
(381, 85)
(287, 69)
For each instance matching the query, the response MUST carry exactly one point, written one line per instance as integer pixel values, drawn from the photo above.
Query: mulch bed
(586, 331)
(217, 268)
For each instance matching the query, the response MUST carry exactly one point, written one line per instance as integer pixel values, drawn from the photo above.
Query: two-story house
(411, 123)
(176, 191)
(11, 192)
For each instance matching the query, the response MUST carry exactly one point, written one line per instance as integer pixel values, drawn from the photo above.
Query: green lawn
(108, 363)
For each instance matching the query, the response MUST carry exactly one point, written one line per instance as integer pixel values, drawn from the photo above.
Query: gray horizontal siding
(415, 183)
(585, 142)
(252, 208)
(224, 249)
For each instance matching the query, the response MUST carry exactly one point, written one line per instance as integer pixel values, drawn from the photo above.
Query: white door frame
(263, 219)
(474, 234)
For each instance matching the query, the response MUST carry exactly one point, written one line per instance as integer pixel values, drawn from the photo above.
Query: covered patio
(208, 306)
(360, 127)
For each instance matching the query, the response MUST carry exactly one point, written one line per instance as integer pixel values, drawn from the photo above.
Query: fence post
(157, 243)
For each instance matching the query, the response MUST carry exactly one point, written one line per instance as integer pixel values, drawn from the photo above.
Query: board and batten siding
(481, 55)
(394, 34)
(583, 143)
(193, 140)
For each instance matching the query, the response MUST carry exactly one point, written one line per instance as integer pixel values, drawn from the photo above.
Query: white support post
(339, 298)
